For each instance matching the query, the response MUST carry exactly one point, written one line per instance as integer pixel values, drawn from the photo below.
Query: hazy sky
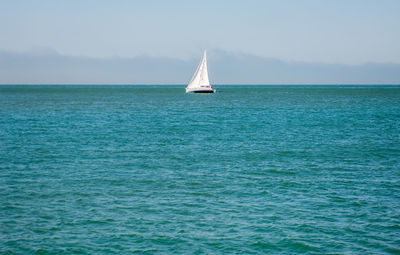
(331, 31)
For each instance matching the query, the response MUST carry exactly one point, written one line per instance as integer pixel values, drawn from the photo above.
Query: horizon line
(181, 84)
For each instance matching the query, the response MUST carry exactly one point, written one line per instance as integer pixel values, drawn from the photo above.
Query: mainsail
(200, 80)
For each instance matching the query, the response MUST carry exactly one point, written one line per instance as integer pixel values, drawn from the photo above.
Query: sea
(106, 169)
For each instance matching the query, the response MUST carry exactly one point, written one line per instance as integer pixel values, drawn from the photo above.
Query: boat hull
(202, 91)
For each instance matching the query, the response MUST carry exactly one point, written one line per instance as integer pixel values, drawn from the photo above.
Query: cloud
(46, 66)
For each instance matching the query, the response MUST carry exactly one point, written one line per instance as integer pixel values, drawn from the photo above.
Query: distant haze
(154, 41)
(224, 68)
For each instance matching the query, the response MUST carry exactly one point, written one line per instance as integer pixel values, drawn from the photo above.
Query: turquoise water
(248, 170)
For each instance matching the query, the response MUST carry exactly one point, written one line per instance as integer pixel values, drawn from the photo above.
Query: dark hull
(203, 91)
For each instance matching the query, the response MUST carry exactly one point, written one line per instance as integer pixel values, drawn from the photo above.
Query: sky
(314, 33)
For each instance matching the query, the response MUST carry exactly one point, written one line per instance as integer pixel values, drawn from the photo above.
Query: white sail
(200, 80)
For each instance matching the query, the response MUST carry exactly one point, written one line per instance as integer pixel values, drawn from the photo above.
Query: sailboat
(200, 82)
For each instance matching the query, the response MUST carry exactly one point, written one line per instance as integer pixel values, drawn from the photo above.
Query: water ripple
(121, 170)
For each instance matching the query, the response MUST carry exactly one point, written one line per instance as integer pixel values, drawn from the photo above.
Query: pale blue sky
(331, 31)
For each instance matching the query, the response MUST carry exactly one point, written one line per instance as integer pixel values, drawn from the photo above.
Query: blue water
(248, 170)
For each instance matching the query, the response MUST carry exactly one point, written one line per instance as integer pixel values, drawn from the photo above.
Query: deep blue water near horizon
(248, 170)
